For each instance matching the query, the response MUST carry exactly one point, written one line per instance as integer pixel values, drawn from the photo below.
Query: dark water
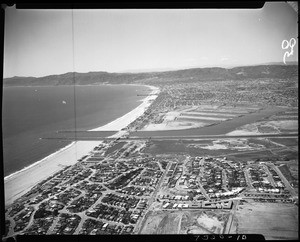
(29, 113)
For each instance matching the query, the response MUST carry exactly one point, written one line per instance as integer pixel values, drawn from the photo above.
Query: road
(270, 177)
(247, 176)
(284, 180)
(139, 226)
(231, 216)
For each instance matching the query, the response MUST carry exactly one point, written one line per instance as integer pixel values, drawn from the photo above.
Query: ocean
(29, 113)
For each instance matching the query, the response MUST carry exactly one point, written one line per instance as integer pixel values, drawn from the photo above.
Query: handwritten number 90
(285, 45)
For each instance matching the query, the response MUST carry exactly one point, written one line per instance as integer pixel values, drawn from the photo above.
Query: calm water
(32, 112)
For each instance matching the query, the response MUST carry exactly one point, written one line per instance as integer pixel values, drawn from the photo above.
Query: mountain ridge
(196, 74)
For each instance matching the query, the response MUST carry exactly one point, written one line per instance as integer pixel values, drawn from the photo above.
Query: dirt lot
(183, 222)
(286, 141)
(263, 155)
(274, 221)
(267, 127)
(207, 222)
(213, 147)
(285, 124)
(165, 147)
(162, 223)
(292, 165)
(287, 154)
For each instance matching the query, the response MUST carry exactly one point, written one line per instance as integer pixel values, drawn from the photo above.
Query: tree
(55, 212)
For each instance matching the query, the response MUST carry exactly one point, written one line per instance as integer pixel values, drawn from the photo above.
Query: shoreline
(125, 120)
(37, 162)
(17, 183)
(76, 85)
(111, 126)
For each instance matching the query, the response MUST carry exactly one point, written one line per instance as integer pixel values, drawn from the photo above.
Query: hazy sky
(40, 42)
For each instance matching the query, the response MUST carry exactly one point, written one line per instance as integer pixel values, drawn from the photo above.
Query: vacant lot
(204, 222)
(292, 165)
(287, 154)
(246, 156)
(165, 147)
(117, 146)
(274, 221)
(183, 222)
(286, 141)
(162, 223)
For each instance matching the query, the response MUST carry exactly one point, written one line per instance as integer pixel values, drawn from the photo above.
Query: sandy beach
(20, 182)
(129, 117)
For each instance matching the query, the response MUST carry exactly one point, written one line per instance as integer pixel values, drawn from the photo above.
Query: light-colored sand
(173, 126)
(222, 110)
(209, 114)
(242, 132)
(19, 183)
(284, 124)
(183, 119)
(125, 120)
(215, 146)
(209, 222)
(171, 116)
(202, 118)
(252, 129)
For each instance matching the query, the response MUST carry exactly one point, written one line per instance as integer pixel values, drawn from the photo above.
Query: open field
(287, 154)
(286, 141)
(283, 121)
(175, 125)
(186, 222)
(229, 127)
(292, 165)
(211, 114)
(236, 144)
(200, 118)
(214, 147)
(237, 109)
(161, 223)
(117, 146)
(261, 155)
(195, 117)
(175, 147)
(273, 220)
(204, 222)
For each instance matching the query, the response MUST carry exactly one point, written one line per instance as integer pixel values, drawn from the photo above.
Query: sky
(46, 42)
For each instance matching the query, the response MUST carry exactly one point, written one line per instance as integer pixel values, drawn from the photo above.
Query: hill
(193, 74)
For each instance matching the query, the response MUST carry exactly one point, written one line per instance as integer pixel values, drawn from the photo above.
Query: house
(166, 205)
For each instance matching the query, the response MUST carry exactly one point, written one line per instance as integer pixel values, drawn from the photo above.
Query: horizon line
(150, 70)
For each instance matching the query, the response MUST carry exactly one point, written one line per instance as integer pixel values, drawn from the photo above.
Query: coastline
(20, 182)
(37, 162)
(125, 120)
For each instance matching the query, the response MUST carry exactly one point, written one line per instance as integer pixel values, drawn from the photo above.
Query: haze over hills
(193, 74)
(205, 66)
(280, 63)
